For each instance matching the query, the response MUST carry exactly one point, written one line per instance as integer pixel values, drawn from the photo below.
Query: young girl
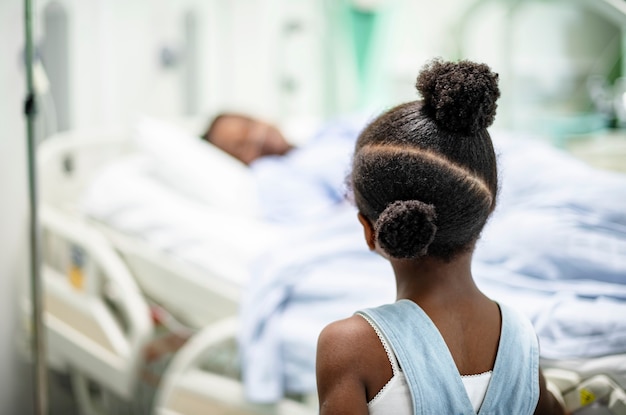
(424, 180)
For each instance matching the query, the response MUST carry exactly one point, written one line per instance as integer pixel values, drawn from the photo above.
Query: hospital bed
(105, 290)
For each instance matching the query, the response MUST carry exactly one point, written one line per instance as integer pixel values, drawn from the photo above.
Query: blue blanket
(555, 249)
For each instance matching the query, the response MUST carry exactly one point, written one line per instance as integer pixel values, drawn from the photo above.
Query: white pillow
(197, 168)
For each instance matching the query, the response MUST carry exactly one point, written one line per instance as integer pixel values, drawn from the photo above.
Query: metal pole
(38, 345)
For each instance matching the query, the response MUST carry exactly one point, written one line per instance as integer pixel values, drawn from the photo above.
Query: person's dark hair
(424, 173)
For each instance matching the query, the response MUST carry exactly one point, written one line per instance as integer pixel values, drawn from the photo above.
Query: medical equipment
(596, 394)
(36, 296)
(102, 287)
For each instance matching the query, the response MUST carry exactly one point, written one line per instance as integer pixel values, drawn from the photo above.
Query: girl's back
(424, 180)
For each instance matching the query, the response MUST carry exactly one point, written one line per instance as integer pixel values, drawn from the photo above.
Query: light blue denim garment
(433, 378)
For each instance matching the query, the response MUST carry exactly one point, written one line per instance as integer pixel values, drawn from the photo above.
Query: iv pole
(38, 343)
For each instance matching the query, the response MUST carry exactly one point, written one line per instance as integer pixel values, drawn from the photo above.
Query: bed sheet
(311, 179)
(554, 249)
(127, 197)
(191, 200)
(332, 273)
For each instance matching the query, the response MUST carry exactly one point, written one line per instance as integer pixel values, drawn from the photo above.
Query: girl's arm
(339, 366)
(548, 404)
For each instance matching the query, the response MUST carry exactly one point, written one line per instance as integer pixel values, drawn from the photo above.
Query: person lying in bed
(246, 138)
(294, 182)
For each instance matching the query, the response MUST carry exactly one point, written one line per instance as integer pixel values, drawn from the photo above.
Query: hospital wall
(275, 58)
(173, 58)
(293, 58)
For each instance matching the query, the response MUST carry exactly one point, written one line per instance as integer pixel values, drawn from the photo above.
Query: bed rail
(189, 387)
(97, 320)
(201, 297)
(68, 161)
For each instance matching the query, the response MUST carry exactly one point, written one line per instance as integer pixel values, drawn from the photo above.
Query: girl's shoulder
(349, 338)
(351, 349)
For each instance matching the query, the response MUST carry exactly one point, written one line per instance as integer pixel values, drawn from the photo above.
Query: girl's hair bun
(460, 97)
(406, 228)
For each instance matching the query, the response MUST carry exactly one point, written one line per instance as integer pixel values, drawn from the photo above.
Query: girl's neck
(434, 281)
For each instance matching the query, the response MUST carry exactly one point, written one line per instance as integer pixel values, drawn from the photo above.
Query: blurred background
(101, 64)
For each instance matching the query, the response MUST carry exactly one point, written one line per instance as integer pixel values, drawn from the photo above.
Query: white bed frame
(98, 284)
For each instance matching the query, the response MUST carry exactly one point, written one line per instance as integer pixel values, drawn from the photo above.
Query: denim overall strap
(514, 385)
(433, 378)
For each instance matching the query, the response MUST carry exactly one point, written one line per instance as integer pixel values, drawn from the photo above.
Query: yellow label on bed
(586, 397)
(76, 277)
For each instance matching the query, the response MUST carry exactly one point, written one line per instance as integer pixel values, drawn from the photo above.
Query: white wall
(16, 391)
(114, 56)
(245, 55)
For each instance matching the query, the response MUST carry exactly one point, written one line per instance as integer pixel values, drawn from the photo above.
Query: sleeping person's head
(246, 138)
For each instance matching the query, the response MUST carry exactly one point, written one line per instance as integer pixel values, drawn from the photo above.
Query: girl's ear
(368, 230)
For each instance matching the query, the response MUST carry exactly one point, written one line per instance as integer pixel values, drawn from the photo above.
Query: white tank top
(395, 396)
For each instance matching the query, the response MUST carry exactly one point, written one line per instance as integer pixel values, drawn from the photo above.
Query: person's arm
(548, 404)
(340, 386)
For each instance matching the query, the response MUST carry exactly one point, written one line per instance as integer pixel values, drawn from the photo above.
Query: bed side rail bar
(189, 388)
(97, 319)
